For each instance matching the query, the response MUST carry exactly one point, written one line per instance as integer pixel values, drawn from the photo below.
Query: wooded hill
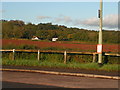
(47, 31)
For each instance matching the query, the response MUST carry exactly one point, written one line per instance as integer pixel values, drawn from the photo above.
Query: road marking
(63, 73)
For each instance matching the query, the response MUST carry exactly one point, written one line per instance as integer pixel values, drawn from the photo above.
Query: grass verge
(55, 64)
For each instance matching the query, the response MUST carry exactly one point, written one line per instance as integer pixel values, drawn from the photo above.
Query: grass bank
(55, 64)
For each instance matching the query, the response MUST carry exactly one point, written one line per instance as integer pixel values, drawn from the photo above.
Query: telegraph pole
(99, 46)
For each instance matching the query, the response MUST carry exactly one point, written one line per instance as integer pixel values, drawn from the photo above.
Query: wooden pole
(13, 56)
(94, 57)
(38, 55)
(65, 57)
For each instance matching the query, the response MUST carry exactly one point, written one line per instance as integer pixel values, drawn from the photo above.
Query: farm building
(35, 38)
(54, 39)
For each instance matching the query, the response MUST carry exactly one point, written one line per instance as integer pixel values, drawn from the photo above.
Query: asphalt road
(6, 84)
(24, 79)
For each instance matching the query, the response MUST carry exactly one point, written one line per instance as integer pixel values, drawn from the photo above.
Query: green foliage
(111, 36)
(56, 64)
(80, 58)
(9, 46)
(22, 46)
(26, 46)
(111, 67)
(111, 60)
(59, 57)
(46, 31)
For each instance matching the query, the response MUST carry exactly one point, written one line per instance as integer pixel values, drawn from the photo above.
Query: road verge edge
(63, 73)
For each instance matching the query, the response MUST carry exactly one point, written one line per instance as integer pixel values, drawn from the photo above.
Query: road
(6, 84)
(12, 79)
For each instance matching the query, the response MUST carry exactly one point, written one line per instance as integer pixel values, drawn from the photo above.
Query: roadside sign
(98, 13)
(99, 48)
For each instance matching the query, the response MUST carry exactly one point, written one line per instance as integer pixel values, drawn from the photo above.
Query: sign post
(99, 48)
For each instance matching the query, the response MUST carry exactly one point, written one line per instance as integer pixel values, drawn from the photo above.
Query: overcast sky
(70, 14)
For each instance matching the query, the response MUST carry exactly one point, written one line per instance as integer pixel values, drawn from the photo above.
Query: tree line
(47, 31)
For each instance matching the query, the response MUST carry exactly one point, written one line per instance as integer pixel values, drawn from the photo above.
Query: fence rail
(55, 51)
(45, 51)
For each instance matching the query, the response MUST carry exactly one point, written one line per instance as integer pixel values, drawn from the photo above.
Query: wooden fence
(62, 52)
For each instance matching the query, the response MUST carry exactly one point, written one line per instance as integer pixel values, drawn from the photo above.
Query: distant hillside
(46, 31)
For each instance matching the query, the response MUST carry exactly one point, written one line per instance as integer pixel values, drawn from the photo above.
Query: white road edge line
(63, 73)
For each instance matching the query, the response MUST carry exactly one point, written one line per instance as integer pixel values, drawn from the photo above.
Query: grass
(111, 67)
(56, 64)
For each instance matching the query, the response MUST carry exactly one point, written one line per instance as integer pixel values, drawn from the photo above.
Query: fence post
(94, 57)
(65, 57)
(13, 56)
(38, 55)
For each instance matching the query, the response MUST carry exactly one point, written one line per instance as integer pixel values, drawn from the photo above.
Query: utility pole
(99, 46)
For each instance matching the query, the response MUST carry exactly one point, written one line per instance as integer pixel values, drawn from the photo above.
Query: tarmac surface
(38, 80)
(6, 84)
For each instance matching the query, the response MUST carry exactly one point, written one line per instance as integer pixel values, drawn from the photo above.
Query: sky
(71, 14)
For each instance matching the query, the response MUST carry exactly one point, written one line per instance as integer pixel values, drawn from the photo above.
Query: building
(35, 38)
(54, 39)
